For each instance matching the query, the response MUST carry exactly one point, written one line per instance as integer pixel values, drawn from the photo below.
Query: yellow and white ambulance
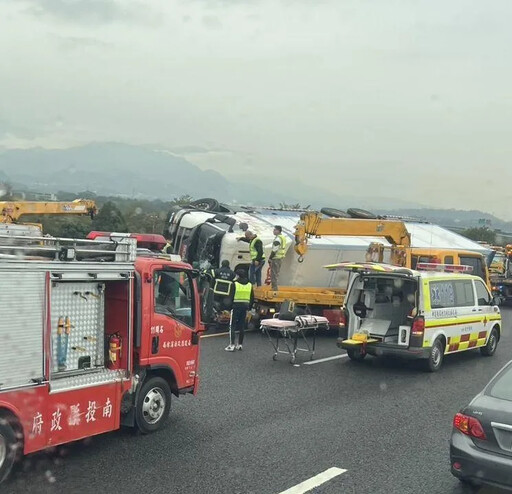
(426, 313)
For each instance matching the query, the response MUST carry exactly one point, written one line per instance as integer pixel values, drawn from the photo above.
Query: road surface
(259, 426)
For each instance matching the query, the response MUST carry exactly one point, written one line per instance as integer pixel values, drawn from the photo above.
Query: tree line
(116, 214)
(123, 214)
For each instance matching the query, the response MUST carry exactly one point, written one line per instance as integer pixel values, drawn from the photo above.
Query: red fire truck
(92, 337)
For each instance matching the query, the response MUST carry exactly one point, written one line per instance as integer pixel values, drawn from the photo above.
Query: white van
(423, 314)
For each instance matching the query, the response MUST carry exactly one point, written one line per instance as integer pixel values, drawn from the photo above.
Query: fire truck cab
(92, 337)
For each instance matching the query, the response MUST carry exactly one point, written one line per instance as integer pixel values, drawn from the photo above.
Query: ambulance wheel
(435, 359)
(8, 447)
(492, 343)
(356, 354)
(153, 405)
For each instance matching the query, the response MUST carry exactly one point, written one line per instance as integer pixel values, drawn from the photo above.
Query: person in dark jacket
(257, 256)
(222, 287)
(243, 298)
(224, 273)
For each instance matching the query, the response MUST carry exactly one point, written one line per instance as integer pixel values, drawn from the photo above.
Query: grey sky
(399, 97)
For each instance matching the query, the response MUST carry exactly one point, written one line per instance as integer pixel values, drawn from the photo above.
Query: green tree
(181, 200)
(481, 234)
(110, 219)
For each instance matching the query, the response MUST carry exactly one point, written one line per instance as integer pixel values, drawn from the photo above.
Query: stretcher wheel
(274, 357)
(293, 359)
(311, 357)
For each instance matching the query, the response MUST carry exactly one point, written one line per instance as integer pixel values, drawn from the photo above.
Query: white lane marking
(328, 359)
(315, 481)
(214, 335)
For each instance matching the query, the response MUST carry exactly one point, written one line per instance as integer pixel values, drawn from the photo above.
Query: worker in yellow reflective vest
(243, 299)
(277, 255)
(257, 256)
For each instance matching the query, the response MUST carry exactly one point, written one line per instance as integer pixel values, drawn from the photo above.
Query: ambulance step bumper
(373, 347)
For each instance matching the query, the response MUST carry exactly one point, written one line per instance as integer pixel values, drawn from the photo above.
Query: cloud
(9, 129)
(79, 42)
(88, 11)
(212, 22)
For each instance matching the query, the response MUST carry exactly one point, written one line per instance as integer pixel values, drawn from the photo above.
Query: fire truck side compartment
(22, 298)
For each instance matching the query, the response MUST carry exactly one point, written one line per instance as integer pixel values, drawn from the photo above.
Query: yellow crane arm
(312, 224)
(10, 212)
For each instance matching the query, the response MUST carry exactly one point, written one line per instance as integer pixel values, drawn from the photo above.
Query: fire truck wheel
(154, 405)
(8, 447)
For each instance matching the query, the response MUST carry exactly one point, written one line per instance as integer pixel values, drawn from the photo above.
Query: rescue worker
(168, 246)
(224, 272)
(223, 278)
(257, 256)
(277, 255)
(243, 299)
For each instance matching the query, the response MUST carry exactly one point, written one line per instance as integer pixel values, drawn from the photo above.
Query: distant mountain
(114, 169)
(149, 172)
(109, 168)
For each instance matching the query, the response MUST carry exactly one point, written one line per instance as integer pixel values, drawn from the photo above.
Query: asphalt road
(259, 426)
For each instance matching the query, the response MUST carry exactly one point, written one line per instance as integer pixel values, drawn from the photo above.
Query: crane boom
(10, 212)
(313, 224)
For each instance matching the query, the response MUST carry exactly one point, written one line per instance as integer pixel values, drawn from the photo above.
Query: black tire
(153, 405)
(361, 213)
(492, 343)
(436, 357)
(206, 204)
(356, 354)
(334, 213)
(9, 445)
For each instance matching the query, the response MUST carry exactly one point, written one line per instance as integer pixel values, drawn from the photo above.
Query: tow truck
(502, 281)
(328, 301)
(92, 337)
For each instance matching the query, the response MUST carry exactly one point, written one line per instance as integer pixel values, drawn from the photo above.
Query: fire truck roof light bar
(446, 268)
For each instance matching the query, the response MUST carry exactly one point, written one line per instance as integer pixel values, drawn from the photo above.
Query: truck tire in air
(334, 213)
(206, 204)
(153, 405)
(361, 213)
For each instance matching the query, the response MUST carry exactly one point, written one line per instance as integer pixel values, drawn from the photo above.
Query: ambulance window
(476, 263)
(482, 293)
(442, 294)
(173, 295)
(464, 295)
(448, 259)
